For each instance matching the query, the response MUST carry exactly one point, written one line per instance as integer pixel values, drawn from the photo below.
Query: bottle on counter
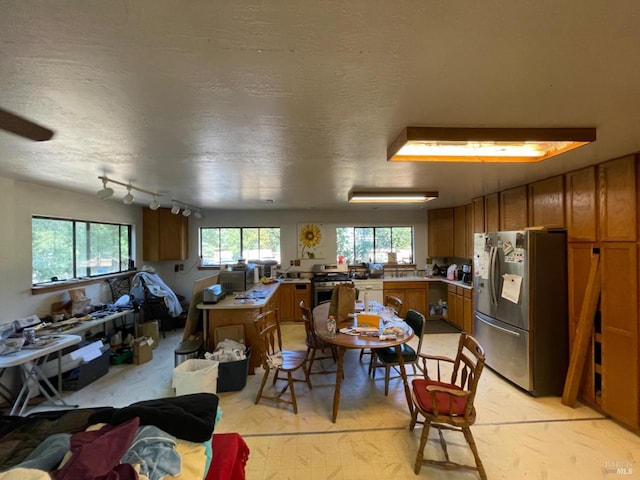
(366, 300)
(331, 327)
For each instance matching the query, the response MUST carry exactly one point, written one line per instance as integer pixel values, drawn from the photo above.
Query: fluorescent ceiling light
(442, 144)
(391, 197)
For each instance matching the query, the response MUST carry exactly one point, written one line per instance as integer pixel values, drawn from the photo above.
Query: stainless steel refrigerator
(520, 303)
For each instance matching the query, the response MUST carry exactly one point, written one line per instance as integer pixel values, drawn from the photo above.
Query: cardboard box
(142, 352)
(149, 329)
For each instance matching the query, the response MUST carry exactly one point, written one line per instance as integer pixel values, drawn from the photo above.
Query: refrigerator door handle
(492, 274)
(502, 329)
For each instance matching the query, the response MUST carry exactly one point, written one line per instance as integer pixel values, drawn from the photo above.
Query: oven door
(321, 294)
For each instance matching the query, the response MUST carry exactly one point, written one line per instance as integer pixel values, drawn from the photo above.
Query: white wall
(21, 200)
(288, 221)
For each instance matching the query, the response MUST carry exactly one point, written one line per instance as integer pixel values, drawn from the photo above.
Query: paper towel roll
(256, 275)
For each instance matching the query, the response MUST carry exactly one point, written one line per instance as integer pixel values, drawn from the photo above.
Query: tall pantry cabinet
(601, 212)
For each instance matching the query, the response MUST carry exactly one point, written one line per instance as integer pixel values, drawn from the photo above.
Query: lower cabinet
(291, 294)
(460, 307)
(611, 374)
(413, 295)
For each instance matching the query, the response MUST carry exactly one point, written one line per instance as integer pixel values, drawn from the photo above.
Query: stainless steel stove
(325, 278)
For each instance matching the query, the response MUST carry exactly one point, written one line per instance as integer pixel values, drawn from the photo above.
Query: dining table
(345, 341)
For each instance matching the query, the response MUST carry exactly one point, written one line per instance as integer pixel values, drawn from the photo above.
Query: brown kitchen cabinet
(165, 236)
(291, 294)
(617, 216)
(467, 310)
(460, 232)
(492, 213)
(579, 256)
(477, 223)
(546, 203)
(440, 226)
(414, 295)
(619, 331)
(469, 230)
(513, 209)
(459, 307)
(581, 207)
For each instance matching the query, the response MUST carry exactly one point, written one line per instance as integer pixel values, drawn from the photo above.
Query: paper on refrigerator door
(511, 287)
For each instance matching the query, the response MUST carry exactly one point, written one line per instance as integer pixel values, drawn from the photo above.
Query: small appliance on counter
(213, 294)
(466, 274)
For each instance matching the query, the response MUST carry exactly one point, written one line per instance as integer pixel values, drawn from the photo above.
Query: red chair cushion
(445, 402)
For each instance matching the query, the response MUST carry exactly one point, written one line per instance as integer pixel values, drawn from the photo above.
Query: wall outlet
(178, 267)
(291, 263)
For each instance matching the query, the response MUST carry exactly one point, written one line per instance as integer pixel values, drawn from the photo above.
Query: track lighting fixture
(154, 205)
(198, 215)
(128, 198)
(175, 209)
(186, 212)
(106, 192)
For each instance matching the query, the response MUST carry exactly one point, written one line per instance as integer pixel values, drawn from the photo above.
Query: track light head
(154, 205)
(198, 215)
(186, 212)
(105, 192)
(175, 209)
(128, 198)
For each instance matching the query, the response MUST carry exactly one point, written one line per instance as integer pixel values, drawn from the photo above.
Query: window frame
(124, 265)
(217, 266)
(355, 238)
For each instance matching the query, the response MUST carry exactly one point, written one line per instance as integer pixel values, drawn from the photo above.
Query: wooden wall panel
(492, 213)
(617, 200)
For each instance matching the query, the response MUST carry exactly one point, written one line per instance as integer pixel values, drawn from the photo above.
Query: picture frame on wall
(311, 240)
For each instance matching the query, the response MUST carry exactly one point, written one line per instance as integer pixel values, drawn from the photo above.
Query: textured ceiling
(226, 105)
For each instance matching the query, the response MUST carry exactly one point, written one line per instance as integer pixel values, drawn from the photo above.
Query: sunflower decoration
(310, 236)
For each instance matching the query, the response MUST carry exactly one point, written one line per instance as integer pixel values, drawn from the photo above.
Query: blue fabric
(208, 453)
(154, 450)
(48, 454)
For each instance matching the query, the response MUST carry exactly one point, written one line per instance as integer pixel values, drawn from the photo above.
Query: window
(223, 246)
(372, 244)
(65, 249)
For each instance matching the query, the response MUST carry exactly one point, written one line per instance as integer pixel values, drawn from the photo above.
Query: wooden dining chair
(315, 343)
(395, 303)
(274, 358)
(448, 404)
(387, 358)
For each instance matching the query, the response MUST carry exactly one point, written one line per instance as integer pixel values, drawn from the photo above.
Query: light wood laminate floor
(518, 436)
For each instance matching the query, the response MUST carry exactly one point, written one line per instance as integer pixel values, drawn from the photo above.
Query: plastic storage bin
(232, 376)
(196, 376)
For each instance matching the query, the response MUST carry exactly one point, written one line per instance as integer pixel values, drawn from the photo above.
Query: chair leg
(311, 359)
(293, 393)
(262, 384)
(474, 449)
(414, 419)
(423, 443)
(387, 376)
(372, 364)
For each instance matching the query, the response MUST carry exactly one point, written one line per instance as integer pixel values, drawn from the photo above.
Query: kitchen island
(240, 308)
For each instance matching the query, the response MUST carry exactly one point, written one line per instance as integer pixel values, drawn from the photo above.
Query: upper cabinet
(513, 208)
(546, 203)
(492, 213)
(460, 232)
(440, 234)
(582, 220)
(477, 222)
(617, 217)
(165, 236)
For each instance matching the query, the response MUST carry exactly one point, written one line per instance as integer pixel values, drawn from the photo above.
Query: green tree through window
(66, 249)
(372, 244)
(223, 246)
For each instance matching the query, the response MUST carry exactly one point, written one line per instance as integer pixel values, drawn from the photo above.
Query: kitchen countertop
(415, 278)
(256, 297)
